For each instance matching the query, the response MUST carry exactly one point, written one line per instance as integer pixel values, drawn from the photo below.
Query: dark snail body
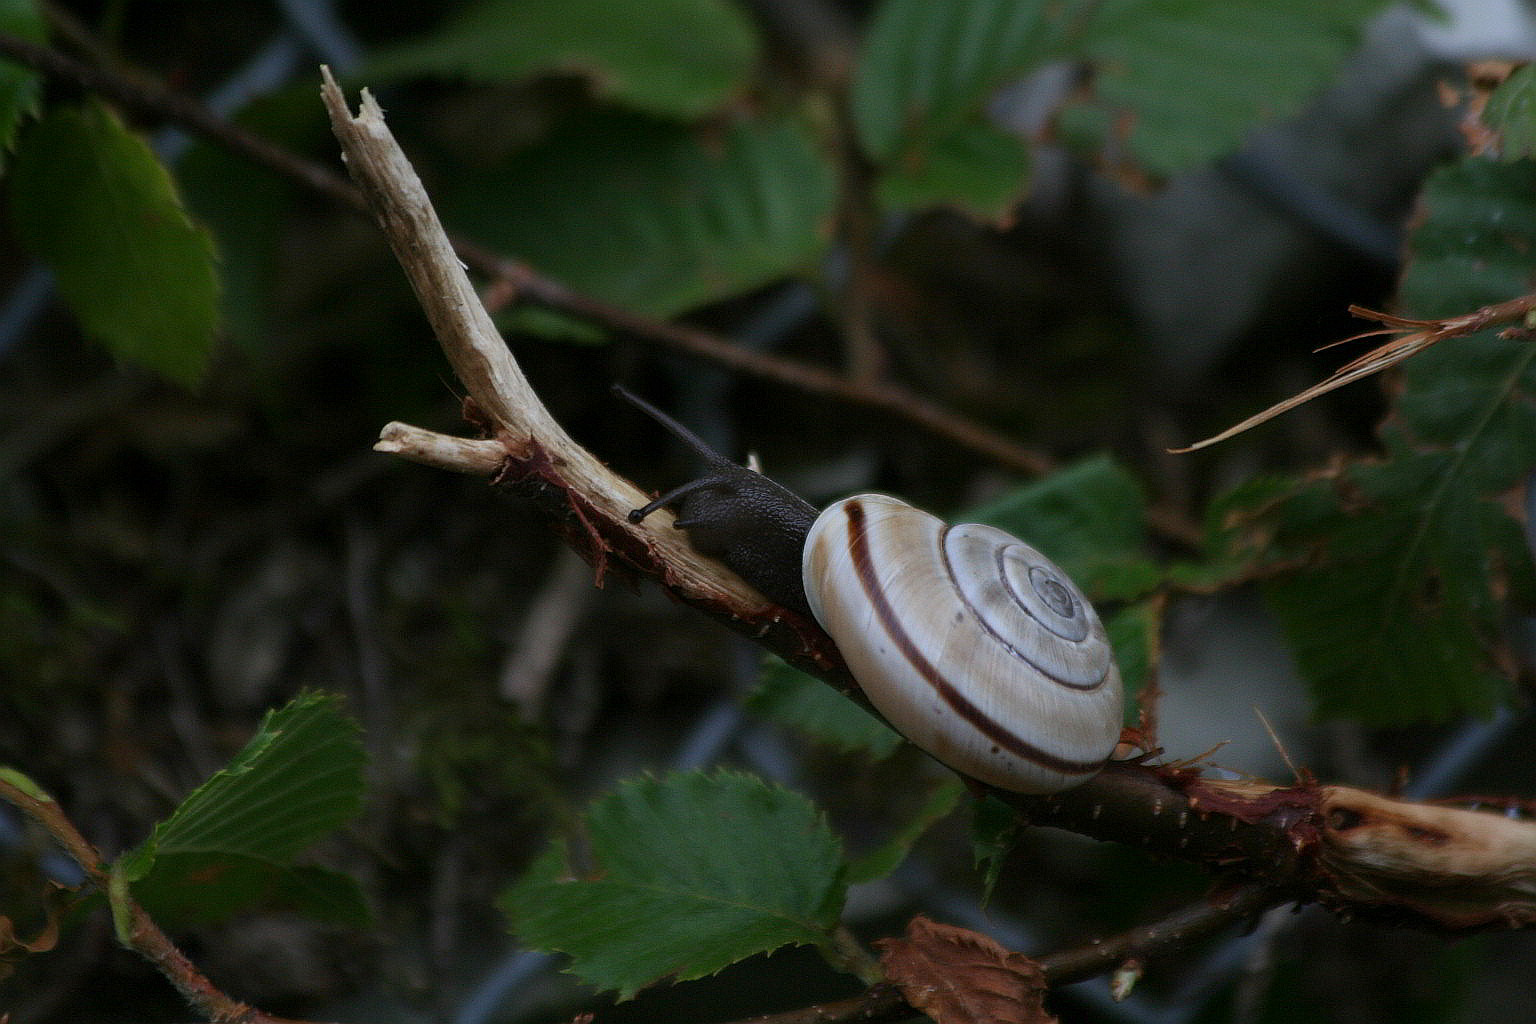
(974, 645)
(753, 524)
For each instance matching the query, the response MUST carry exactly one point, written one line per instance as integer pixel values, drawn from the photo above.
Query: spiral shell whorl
(969, 641)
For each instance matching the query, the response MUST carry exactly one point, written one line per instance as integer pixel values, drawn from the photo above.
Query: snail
(971, 643)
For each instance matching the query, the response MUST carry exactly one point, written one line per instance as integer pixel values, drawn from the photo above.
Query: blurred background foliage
(1098, 228)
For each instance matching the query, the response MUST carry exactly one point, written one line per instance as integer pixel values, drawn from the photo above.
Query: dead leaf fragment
(957, 976)
(14, 948)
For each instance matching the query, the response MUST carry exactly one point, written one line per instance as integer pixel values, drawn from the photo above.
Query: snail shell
(972, 644)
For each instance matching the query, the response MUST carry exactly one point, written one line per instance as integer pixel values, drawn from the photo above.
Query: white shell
(970, 642)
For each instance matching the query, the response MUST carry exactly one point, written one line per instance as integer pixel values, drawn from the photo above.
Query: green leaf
(995, 829)
(1471, 398)
(1233, 546)
(1472, 246)
(683, 875)
(18, 84)
(1400, 613)
(245, 207)
(1135, 632)
(186, 889)
(1402, 617)
(672, 58)
(1087, 518)
(794, 699)
(1511, 111)
(1175, 83)
(977, 168)
(89, 198)
(1180, 82)
(887, 857)
(1413, 563)
(1397, 624)
(298, 779)
(653, 216)
(919, 95)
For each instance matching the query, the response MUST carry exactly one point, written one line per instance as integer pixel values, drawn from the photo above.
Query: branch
(530, 452)
(1450, 869)
(1341, 847)
(858, 228)
(1160, 938)
(455, 454)
(896, 401)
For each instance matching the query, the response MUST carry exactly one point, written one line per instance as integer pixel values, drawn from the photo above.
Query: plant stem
(135, 929)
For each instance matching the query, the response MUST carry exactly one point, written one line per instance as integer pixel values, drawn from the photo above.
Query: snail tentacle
(751, 522)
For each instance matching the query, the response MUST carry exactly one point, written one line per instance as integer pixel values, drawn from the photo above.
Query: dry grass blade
(1421, 334)
(1413, 337)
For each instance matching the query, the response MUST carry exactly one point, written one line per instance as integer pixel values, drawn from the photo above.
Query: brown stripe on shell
(864, 567)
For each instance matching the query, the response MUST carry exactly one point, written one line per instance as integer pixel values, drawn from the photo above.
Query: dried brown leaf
(957, 976)
(13, 948)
